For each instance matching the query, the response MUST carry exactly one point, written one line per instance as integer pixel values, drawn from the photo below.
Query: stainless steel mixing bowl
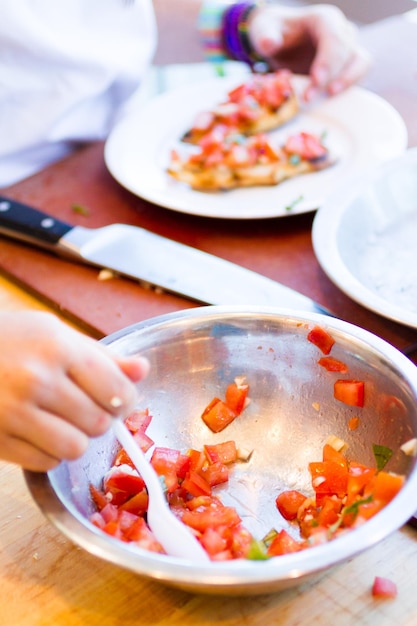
(194, 354)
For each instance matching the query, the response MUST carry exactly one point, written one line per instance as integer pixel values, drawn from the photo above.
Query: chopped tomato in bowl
(293, 482)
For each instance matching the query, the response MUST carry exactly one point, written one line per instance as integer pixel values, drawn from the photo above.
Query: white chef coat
(66, 69)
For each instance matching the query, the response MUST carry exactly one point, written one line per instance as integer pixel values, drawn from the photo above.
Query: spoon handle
(174, 536)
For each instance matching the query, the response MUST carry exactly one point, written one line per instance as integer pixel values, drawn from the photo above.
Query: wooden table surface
(44, 579)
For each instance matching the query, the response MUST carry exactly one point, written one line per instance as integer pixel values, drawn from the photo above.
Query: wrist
(235, 33)
(224, 30)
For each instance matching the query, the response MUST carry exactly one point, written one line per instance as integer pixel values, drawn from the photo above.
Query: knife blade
(149, 258)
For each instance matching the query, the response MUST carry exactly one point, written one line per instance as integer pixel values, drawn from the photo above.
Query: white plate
(361, 130)
(365, 239)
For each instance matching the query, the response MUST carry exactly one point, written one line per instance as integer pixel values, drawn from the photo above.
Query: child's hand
(57, 389)
(338, 60)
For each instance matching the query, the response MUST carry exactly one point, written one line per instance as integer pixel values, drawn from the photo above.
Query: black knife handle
(24, 222)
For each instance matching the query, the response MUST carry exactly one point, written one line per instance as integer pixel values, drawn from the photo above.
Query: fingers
(58, 389)
(135, 368)
(39, 440)
(340, 61)
(22, 453)
(354, 69)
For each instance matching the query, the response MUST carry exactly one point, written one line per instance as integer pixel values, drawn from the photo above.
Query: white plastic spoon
(171, 533)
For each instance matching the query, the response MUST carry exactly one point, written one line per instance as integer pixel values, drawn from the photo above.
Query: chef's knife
(149, 258)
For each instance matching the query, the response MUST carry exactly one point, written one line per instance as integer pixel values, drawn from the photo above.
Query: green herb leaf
(382, 455)
(294, 203)
(269, 537)
(257, 551)
(79, 208)
(351, 509)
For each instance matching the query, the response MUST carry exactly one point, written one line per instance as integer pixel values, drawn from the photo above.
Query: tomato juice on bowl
(353, 391)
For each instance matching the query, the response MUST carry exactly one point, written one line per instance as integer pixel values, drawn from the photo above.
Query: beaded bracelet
(224, 31)
(235, 29)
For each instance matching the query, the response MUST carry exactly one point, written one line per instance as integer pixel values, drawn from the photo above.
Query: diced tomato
(165, 463)
(217, 415)
(196, 485)
(122, 482)
(211, 518)
(112, 528)
(385, 486)
(328, 478)
(202, 502)
(332, 365)
(109, 513)
(329, 511)
(216, 474)
(384, 588)
(213, 541)
(288, 503)
(365, 511)
(98, 497)
(353, 422)
(97, 520)
(236, 396)
(137, 504)
(306, 145)
(225, 452)
(139, 419)
(321, 338)
(359, 476)
(141, 535)
(144, 442)
(238, 156)
(198, 460)
(330, 454)
(350, 392)
(283, 543)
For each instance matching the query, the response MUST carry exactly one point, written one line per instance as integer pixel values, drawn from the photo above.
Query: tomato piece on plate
(321, 338)
(288, 503)
(217, 415)
(384, 588)
(350, 392)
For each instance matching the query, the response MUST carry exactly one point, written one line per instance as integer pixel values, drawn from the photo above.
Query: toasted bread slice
(264, 102)
(247, 162)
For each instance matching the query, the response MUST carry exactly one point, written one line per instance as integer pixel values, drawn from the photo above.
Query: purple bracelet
(235, 33)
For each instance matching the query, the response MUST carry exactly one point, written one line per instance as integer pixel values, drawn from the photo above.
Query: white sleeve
(66, 67)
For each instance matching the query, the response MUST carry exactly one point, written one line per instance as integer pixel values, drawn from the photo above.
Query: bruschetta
(262, 103)
(228, 160)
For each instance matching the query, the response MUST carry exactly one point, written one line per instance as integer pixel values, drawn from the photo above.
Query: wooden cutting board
(279, 248)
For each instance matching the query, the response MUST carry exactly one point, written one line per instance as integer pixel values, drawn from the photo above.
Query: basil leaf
(382, 455)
